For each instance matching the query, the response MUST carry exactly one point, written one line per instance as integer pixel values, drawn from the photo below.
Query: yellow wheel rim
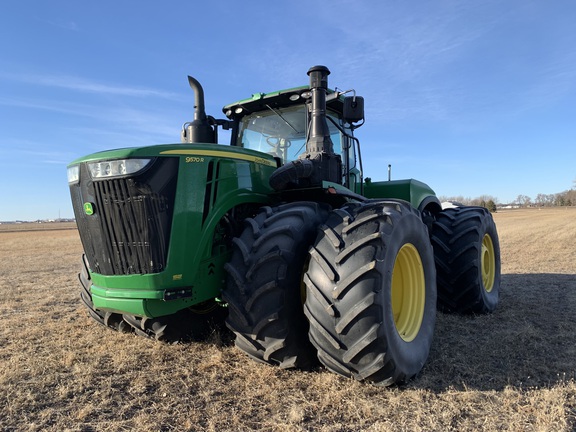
(408, 292)
(488, 263)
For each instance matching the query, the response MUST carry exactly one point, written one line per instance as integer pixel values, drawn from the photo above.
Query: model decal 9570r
(220, 154)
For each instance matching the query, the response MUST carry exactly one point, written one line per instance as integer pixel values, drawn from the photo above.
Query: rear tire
(371, 292)
(264, 290)
(467, 255)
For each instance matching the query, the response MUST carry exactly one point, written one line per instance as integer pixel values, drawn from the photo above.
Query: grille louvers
(130, 230)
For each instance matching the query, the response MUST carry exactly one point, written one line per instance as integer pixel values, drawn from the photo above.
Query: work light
(116, 168)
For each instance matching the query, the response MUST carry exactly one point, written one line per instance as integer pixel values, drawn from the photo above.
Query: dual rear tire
(467, 254)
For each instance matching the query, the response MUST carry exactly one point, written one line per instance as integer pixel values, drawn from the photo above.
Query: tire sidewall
(284, 252)
(409, 357)
(488, 227)
(457, 236)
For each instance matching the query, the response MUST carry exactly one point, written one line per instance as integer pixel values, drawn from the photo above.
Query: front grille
(129, 231)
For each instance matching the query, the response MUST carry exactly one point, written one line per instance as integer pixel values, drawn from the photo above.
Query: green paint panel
(212, 179)
(411, 190)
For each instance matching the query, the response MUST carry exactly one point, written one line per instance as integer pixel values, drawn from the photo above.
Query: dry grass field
(513, 370)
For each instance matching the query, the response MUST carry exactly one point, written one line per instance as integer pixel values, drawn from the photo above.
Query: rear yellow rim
(408, 292)
(488, 263)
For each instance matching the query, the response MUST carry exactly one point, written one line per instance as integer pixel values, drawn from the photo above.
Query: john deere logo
(88, 208)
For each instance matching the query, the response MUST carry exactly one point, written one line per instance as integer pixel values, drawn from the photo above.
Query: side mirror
(353, 109)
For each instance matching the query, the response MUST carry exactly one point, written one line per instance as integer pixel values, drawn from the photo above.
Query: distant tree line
(566, 198)
(486, 201)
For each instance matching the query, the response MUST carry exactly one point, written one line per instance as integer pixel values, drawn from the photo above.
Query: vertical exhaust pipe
(199, 130)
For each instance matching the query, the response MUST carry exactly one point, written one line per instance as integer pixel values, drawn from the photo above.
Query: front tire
(371, 292)
(467, 254)
(264, 287)
(111, 320)
(194, 323)
(191, 324)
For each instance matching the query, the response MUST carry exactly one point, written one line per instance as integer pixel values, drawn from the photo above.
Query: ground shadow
(529, 341)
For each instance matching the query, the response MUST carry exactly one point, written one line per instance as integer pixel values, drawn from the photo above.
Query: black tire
(371, 292)
(264, 290)
(467, 255)
(111, 320)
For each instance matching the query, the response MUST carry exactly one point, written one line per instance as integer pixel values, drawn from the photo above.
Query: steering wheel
(278, 143)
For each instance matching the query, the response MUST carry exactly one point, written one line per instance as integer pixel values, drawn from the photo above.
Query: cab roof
(279, 99)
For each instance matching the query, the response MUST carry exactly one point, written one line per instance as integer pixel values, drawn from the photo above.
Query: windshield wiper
(283, 119)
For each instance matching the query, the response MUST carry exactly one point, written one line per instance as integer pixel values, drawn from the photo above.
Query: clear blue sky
(472, 97)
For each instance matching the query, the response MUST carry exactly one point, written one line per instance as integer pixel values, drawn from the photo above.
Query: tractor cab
(278, 124)
(281, 132)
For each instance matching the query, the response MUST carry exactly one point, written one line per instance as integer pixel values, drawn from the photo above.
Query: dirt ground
(514, 370)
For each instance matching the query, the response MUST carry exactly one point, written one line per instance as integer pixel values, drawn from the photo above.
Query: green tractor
(279, 235)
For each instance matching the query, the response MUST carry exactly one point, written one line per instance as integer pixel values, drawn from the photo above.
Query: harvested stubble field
(513, 370)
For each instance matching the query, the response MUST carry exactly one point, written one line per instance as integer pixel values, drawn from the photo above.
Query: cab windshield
(281, 132)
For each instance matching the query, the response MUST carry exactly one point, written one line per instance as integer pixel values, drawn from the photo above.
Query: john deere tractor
(279, 233)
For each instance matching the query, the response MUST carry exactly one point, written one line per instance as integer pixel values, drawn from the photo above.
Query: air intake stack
(319, 147)
(319, 138)
(319, 162)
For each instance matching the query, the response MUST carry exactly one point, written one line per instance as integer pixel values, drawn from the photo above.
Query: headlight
(73, 174)
(116, 168)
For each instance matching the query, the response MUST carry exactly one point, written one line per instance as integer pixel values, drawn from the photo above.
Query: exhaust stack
(199, 130)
